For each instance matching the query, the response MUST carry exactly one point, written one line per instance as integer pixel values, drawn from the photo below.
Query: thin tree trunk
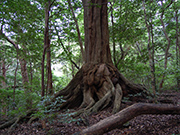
(49, 79)
(14, 89)
(4, 108)
(3, 74)
(42, 73)
(150, 51)
(49, 71)
(31, 71)
(168, 40)
(66, 51)
(177, 48)
(153, 79)
(4, 69)
(24, 71)
(46, 48)
(113, 36)
(25, 80)
(78, 31)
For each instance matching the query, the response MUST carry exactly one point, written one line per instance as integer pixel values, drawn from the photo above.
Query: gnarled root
(12, 123)
(118, 98)
(101, 86)
(95, 86)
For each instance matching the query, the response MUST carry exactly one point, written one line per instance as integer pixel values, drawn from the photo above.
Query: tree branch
(9, 40)
(66, 50)
(78, 30)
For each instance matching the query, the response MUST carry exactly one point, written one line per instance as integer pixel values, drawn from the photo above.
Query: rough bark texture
(117, 120)
(47, 42)
(96, 32)
(95, 86)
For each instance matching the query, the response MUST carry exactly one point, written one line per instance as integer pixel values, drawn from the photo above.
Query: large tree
(98, 82)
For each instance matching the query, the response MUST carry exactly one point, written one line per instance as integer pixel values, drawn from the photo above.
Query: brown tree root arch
(95, 86)
(118, 119)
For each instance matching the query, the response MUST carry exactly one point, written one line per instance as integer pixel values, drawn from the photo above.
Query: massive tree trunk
(96, 34)
(98, 83)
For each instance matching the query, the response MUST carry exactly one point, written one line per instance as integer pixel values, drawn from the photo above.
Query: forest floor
(60, 124)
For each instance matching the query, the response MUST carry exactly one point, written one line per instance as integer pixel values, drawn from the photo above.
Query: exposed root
(96, 86)
(88, 100)
(32, 119)
(12, 123)
(15, 123)
(101, 104)
(8, 123)
(118, 98)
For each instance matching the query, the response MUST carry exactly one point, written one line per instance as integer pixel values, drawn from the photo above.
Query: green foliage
(49, 112)
(45, 111)
(67, 117)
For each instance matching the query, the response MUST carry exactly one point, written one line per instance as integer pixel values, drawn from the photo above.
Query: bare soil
(61, 124)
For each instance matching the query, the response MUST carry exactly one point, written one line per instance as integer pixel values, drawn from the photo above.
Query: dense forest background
(41, 47)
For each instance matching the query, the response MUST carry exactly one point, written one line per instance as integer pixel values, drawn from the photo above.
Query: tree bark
(150, 48)
(3, 73)
(177, 48)
(49, 88)
(14, 89)
(42, 73)
(96, 34)
(168, 40)
(118, 119)
(25, 80)
(47, 42)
